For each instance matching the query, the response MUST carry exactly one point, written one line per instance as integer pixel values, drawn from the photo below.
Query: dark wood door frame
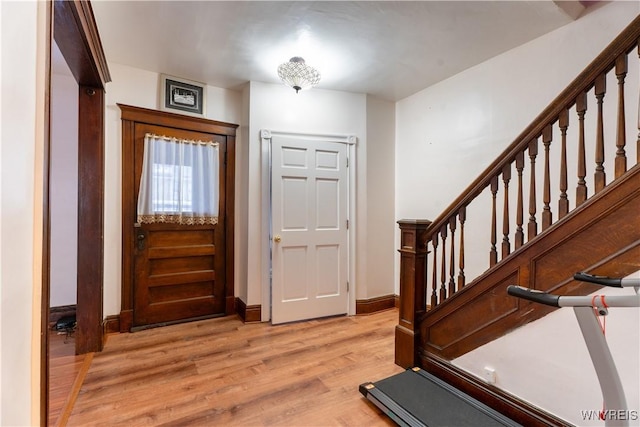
(72, 25)
(130, 116)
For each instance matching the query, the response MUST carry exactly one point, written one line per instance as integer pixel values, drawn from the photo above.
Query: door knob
(277, 238)
(141, 238)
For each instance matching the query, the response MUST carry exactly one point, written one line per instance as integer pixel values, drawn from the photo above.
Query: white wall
(276, 107)
(380, 228)
(22, 41)
(139, 88)
(447, 134)
(547, 364)
(63, 183)
(470, 118)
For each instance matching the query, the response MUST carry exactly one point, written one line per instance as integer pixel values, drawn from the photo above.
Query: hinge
(347, 224)
(347, 162)
(347, 286)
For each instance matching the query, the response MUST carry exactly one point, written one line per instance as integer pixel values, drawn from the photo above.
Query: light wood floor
(223, 372)
(64, 367)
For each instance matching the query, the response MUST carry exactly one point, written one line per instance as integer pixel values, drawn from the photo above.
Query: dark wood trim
(46, 228)
(230, 223)
(373, 305)
(178, 121)
(90, 219)
(126, 320)
(72, 25)
(111, 324)
(130, 116)
(248, 314)
(413, 270)
(503, 402)
(76, 33)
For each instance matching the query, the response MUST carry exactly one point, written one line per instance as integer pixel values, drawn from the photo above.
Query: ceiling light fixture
(297, 74)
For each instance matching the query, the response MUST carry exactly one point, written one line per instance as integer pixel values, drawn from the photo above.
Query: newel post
(413, 271)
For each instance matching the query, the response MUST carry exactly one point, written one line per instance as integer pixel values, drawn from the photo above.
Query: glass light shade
(297, 74)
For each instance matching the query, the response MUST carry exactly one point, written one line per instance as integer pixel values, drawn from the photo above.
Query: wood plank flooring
(223, 372)
(64, 367)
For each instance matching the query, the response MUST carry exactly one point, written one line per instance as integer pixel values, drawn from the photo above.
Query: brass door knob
(277, 238)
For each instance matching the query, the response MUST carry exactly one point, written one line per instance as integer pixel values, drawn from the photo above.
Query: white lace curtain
(179, 182)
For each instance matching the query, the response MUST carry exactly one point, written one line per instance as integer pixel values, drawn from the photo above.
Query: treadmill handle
(599, 280)
(533, 295)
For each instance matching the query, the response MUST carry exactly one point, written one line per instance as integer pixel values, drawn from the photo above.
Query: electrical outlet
(489, 375)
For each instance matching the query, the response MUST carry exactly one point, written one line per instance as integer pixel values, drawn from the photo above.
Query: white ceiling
(390, 49)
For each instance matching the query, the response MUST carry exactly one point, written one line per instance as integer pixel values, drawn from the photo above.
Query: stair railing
(543, 176)
(538, 157)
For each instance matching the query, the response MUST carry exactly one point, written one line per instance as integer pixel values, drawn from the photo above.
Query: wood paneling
(223, 372)
(602, 237)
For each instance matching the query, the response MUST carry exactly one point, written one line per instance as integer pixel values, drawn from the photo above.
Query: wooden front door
(177, 272)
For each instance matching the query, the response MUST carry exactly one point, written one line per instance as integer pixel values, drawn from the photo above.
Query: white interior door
(309, 229)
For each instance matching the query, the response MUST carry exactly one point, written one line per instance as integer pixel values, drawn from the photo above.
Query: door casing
(265, 247)
(73, 26)
(130, 116)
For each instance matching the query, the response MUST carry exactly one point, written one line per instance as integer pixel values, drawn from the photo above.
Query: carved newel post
(413, 273)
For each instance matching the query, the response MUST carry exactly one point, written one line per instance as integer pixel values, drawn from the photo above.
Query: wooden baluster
(581, 189)
(443, 265)
(463, 216)
(506, 177)
(600, 178)
(547, 216)
(532, 228)
(621, 137)
(519, 214)
(563, 203)
(493, 254)
(452, 261)
(638, 140)
(434, 279)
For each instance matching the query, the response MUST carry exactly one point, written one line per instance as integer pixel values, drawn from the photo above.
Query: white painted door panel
(309, 226)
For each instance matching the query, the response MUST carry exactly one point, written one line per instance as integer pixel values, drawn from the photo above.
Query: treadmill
(416, 398)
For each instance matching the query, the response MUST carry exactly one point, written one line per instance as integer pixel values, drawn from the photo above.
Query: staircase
(537, 238)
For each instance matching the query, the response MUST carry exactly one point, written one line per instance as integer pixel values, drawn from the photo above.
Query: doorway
(171, 272)
(73, 27)
(309, 220)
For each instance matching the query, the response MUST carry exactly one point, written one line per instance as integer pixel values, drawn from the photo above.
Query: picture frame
(181, 95)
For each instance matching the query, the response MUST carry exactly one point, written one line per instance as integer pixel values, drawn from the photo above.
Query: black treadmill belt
(430, 401)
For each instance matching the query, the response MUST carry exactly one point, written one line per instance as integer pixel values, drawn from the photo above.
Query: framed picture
(180, 95)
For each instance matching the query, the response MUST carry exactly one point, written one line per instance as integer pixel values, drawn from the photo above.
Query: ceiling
(389, 49)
